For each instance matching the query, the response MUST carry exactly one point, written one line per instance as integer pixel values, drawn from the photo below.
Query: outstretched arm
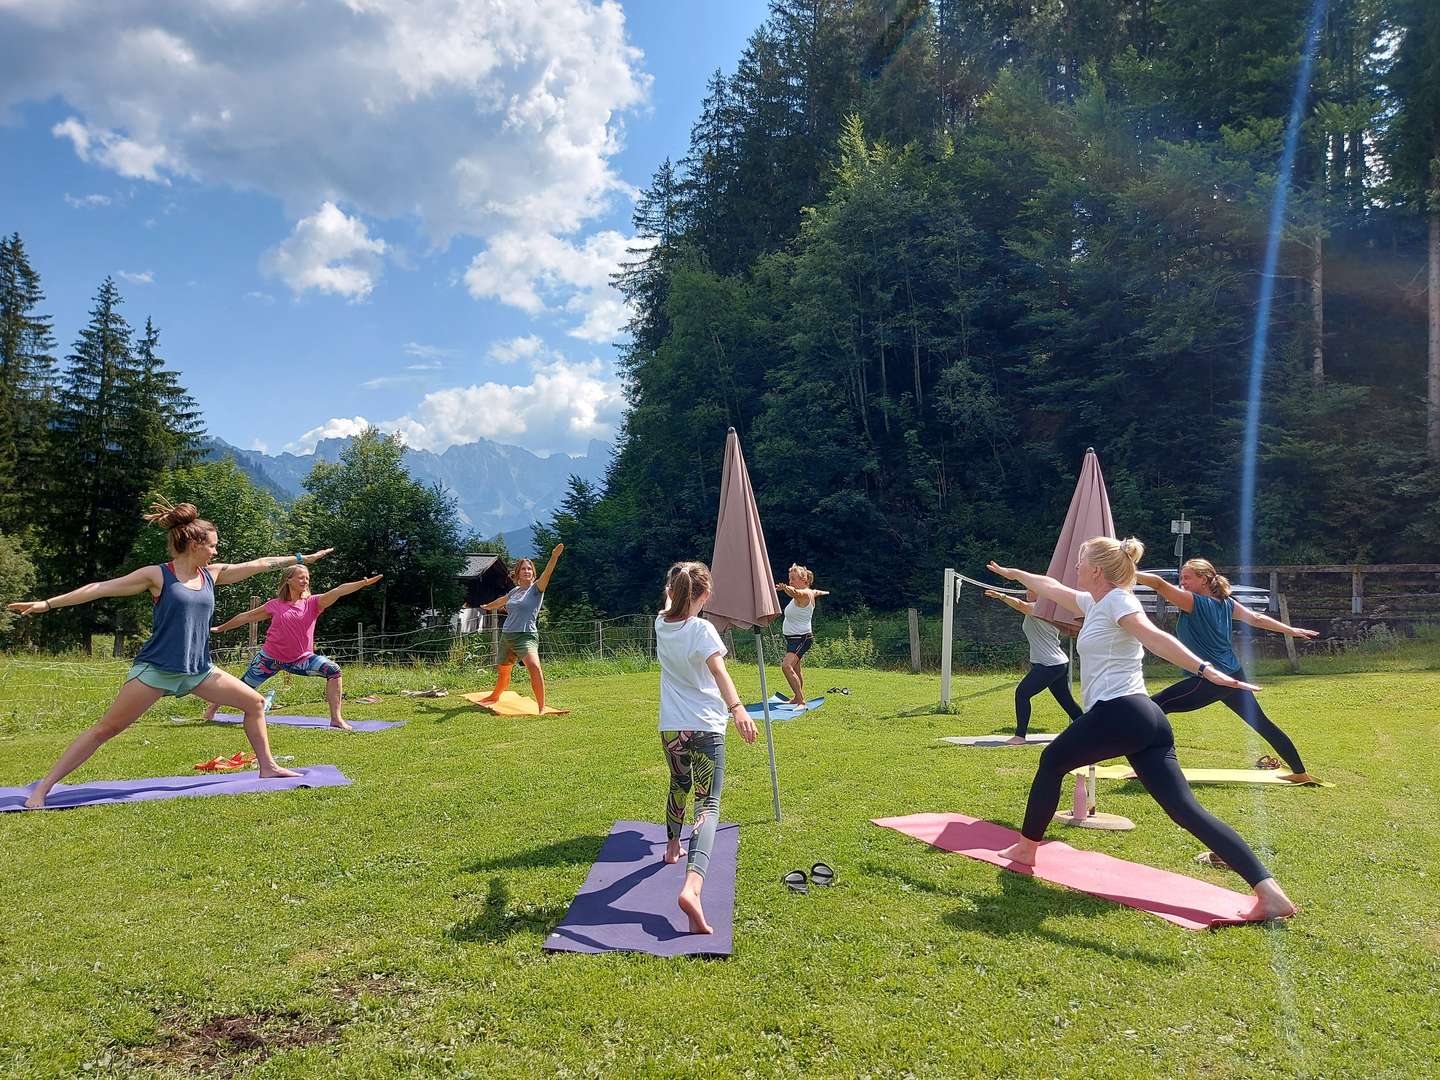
(1183, 599)
(1024, 607)
(325, 599)
(1045, 587)
(496, 604)
(1170, 648)
(230, 573)
(132, 584)
(255, 614)
(1265, 622)
(543, 582)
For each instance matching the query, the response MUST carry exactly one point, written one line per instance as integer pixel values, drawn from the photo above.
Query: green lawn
(394, 927)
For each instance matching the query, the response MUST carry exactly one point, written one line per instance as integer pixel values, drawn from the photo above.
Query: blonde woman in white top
(798, 627)
(1120, 719)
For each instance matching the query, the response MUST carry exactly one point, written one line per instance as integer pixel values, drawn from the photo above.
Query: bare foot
(489, 699)
(1015, 740)
(343, 725)
(673, 852)
(1300, 778)
(276, 772)
(1271, 902)
(210, 711)
(36, 800)
(1022, 851)
(796, 701)
(690, 905)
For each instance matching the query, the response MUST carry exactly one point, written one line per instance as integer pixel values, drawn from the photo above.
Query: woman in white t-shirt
(798, 628)
(696, 697)
(1121, 720)
(1049, 669)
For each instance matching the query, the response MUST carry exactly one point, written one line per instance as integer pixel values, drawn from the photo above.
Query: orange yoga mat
(512, 704)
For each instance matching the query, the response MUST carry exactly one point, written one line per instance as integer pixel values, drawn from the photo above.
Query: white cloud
(258, 297)
(86, 201)
(338, 428)
(473, 118)
(330, 252)
(517, 348)
(432, 354)
(533, 271)
(383, 382)
(141, 277)
(563, 407)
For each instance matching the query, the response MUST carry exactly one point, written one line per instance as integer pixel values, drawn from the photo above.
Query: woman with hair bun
(798, 628)
(1120, 719)
(520, 635)
(175, 661)
(1207, 613)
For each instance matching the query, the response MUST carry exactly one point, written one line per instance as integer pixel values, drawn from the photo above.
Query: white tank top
(799, 620)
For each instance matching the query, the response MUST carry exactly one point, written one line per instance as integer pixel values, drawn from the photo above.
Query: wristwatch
(1200, 671)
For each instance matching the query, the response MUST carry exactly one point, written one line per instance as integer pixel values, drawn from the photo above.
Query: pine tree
(27, 377)
(166, 424)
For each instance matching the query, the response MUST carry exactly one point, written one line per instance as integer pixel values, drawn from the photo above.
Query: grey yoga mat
(996, 740)
(310, 722)
(627, 903)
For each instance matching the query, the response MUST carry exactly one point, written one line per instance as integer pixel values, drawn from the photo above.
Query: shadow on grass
(1022, 907)
(935, 709)
(577, 850)
(495, 922)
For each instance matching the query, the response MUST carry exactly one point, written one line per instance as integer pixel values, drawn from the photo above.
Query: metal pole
(769, 738)
(947, 621)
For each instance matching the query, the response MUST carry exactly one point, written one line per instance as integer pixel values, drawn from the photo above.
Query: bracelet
(732, 708)
(1200, 671)
(300, 558)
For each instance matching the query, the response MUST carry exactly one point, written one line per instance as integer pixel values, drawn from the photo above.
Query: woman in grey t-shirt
(520, 634)
(1048, 667)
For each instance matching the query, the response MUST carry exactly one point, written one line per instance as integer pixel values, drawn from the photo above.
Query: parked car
(1254, 598)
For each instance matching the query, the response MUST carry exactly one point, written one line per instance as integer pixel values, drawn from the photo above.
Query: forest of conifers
(922, 253)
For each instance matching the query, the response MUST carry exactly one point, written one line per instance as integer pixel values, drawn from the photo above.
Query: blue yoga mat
(627, 903)
(68, 796)
(785, 711)
(310, 722)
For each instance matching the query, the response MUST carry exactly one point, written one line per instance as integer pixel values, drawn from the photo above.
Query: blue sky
(396, 210)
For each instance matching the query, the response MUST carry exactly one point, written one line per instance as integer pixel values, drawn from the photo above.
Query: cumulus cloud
(475, 118)
(86, 201)
(338, 428)
(538, 271)
(330, 252)
(137, 277)
(517, 348)
(563, 407)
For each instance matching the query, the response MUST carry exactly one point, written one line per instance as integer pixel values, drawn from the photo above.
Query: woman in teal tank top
(1207, 611)
(176, 659)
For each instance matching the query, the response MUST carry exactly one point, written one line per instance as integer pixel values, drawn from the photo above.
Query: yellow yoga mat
(1208, 776)
(512, 704)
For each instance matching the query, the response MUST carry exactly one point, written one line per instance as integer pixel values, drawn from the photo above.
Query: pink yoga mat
(1184, 901)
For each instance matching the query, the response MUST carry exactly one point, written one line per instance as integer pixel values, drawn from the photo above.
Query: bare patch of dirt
(229, 1045)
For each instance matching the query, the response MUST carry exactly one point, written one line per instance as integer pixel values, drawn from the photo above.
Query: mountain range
(497, 488)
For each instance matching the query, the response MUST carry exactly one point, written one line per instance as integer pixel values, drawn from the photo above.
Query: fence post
(1357, 592)
(947, 623)
(360, 642)
(649, 639)
(254, 628)
(914, 641)
(600, 638)
(1289, 641)
(495, 640)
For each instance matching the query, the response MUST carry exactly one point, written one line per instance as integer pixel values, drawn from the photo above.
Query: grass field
(393, 928)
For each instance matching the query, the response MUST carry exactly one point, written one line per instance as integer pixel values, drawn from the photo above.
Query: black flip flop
(822, 874)
(795, 880)
(845, 690)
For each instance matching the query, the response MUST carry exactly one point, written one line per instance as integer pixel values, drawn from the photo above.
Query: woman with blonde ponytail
(175, 661)
(1120, 719)
(1207, 613)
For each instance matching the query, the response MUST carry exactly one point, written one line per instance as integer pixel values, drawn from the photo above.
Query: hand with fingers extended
(315, 556)
(29, 607)
(1007, 572)
(747, 729)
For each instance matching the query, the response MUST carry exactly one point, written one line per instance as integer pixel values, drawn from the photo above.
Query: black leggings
(1052, 677)
(1135, 728)
(1193, 693)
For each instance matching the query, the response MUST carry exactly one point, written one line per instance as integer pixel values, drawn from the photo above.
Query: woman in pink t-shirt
(290, 641)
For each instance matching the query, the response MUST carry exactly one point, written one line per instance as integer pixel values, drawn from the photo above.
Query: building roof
(476, 565)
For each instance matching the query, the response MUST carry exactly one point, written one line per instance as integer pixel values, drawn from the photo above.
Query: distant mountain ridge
(498, 488)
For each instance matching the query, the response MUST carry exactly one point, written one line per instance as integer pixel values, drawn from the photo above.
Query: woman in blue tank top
(176, 659)
(1207, 614)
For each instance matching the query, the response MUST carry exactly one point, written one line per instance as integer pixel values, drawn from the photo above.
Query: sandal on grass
(822, 874)
(795, 881)
(1269, 761)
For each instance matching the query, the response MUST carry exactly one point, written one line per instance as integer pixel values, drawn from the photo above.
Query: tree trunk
(1432, 440)
(1317, 311)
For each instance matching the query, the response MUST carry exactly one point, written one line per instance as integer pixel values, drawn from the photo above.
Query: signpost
(1181, 529)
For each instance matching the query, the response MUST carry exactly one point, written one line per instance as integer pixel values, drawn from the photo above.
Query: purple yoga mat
(310, 721)
(66, 796)
(628, 900)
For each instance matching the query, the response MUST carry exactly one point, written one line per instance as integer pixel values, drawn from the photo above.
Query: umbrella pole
(769, 738)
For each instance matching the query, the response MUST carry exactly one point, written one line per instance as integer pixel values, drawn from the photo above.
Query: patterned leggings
(696, 759)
